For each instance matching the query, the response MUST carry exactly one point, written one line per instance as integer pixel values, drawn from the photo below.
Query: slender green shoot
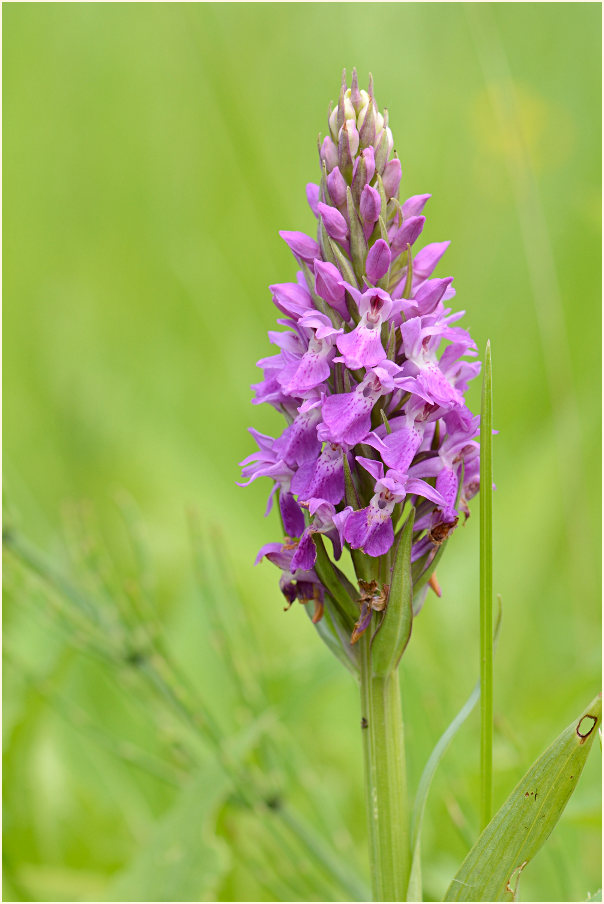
(486, 593)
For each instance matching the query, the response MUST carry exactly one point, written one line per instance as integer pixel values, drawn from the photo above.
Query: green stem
(486, 595)
(385, 781)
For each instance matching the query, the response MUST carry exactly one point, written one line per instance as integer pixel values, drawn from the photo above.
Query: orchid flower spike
(370, 373)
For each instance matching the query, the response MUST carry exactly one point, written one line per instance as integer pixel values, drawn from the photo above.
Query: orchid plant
(380, 455)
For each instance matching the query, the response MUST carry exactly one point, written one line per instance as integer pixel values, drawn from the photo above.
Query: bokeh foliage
(151, 153)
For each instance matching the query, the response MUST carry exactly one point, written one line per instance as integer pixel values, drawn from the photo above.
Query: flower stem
(385, 781)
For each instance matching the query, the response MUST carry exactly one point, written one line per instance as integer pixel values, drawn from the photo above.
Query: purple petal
(348, 416)
(407, 234)
(312, 196)
(291, 298)
(413, 206)
(329, 153)
(421, 488)
(335, 224)
(362, 347)
(277, 554)
(401, 446)
(322, 480)
(430, 293)
(411, 332)
(298, 444)
(446, 485)
(369, 155)
(373, 467)
(426, 260)
(336, 186)
(370, 205)
(328, 286)
(370, 530)
(378, 260)
(311, 370)
(301, 244)
(391, 177)
(305, 555)
(293, 518)
(432, 383)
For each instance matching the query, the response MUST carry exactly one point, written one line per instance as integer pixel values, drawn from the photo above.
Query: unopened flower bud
(312, 196)
(370, 207)
(355, 94)
(302, 245)
(329, 153)
(382, 150)
(328, 285)
(366, 125)
(407, 234)
(336, 185)
(391, 178)
(378, 261)
(348, 145)
(335, 224)
(413, 206)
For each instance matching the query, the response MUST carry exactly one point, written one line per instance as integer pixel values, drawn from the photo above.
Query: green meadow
(151, 154)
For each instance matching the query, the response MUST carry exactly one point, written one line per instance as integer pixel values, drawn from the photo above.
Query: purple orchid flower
(369, 362)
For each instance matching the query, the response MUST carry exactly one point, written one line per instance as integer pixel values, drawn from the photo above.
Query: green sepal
(392, 209)
(518, 830)
(359, 181)
(343, 264)
(337, 584)
(358, 245)
(383, 198)
(385, 421)
(421, 578)
(392, 636)
(324, 187)
(350, 492)
(391, 342)
(333, 638)
(326, 246)
(396, 269)
(383, 230)
(367, 130)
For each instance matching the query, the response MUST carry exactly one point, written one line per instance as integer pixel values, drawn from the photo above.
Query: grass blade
(486, 593)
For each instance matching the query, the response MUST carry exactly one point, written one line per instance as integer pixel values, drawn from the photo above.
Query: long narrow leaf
(486, 593)
(517, 831)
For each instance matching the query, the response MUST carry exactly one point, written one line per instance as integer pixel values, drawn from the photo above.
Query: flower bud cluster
(359, 375)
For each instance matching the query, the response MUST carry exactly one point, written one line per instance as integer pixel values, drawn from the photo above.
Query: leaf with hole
(492, 868)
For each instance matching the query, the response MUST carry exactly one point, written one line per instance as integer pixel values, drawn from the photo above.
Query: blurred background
(151, 154)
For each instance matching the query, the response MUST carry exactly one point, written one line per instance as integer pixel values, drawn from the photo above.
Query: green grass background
(151, 154)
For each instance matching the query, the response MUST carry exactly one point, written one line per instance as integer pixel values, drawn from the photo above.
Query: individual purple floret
(370, 372)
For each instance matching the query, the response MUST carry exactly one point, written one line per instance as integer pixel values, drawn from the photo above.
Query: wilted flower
(360, 376)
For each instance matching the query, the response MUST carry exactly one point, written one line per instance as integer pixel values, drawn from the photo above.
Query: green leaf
(414, 892)
(392, 636)
(182, 860)
(517, 831)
